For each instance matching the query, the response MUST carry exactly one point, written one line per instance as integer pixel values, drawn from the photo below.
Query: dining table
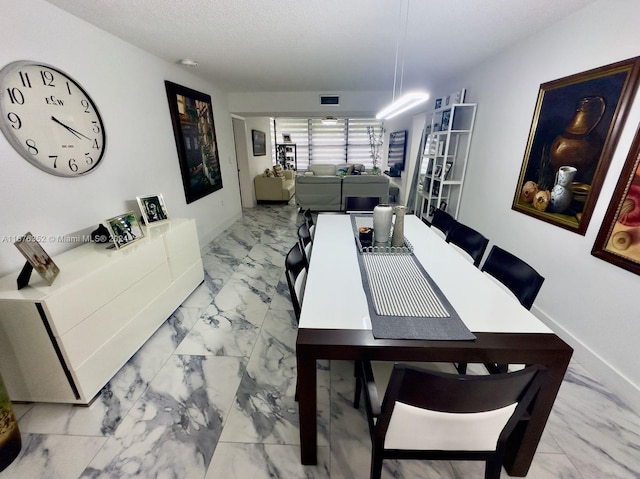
(336, 322)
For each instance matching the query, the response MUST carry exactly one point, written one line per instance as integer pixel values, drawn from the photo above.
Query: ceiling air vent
(329, 100)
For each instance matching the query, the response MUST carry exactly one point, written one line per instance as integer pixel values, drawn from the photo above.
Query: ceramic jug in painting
(561, 194)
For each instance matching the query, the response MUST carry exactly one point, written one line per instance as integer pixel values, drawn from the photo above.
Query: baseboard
(602, 371)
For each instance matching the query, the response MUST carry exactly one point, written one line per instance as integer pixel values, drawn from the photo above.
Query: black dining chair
(520, 278)
(516, 276)
(360, 203)
(442, 222)
(308, 219)
(306, 242)
(430, 415)
(296, 273)
(469, 241)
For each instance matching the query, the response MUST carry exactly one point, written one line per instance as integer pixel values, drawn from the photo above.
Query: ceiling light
(187, 62)
(412, 99)
(329, 121)
(402, 104)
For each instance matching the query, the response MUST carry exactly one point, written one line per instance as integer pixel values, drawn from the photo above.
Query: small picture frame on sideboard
(153, 209)
(37, 258)
(125, 229)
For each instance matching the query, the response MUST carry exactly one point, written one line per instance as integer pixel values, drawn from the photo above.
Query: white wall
(589, 302)
(127, 85)
(360, 104)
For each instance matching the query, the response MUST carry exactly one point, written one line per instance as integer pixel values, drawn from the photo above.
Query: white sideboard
(64, 342)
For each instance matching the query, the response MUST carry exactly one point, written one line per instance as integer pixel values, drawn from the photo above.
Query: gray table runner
(403, 300)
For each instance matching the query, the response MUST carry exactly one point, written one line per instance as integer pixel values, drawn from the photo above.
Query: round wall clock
(50, 119)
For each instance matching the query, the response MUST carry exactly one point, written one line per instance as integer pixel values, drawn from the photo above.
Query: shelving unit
(443, 163)
(287, 155)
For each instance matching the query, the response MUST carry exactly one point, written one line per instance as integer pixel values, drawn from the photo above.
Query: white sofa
(275, 188)
(328, 187)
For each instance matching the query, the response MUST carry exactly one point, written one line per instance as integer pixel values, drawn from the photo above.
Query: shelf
(448, 148)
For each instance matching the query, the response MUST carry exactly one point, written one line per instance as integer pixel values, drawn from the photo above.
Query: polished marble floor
(211, 395)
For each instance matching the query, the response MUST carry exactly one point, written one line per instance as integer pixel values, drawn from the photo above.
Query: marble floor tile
(175, 426)
(265, 461)
(265, 410)
(53, 456)
(220, 334)
(594, 428)
(211, 395)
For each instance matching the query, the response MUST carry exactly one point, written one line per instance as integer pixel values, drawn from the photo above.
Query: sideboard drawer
(71, 305)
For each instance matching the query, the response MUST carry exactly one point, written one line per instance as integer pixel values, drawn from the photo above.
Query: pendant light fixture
(411, 99)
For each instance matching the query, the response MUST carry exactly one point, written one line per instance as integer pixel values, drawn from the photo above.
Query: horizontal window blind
(346, 140)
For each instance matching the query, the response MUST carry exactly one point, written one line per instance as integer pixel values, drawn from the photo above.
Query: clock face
(50, 120)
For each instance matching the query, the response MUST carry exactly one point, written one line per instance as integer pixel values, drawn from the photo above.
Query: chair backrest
(296, 273)
(442, 221)
(308, 219)
(360, 203)
(520, 278)
(468, 240)
(306, 242)
(433, 410)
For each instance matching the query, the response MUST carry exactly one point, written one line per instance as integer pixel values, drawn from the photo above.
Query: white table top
(334, 297)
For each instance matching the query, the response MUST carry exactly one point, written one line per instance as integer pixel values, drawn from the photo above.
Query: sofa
(328, 187)
(275, 188)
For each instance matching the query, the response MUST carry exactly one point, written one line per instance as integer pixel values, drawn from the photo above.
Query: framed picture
(37, 257)
(574, 132)
(153, 209)
(195, 135)
(438, 103)
(125, 229)
(286, 138)
(259, 140)
(446, 117)
(618, 240)
(447, 168)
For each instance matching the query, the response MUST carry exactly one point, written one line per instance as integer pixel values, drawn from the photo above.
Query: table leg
(307, 399)
(524, 440)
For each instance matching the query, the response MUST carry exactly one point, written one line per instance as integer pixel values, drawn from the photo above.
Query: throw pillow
(267, 173)
(277, 170)
(350, 170)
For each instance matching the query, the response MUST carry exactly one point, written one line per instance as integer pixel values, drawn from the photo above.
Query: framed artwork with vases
(575, 128)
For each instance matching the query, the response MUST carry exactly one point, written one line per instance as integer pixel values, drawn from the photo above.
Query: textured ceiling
(322, 45)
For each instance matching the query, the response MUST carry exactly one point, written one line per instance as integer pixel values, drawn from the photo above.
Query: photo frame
(438, 103)
(195, 135)
(37, 258)
(575, 128)
(286, 138)
(446, 117)
(153, 209)
(447, 169)
(259, 140)
(124, 229)
(618, 241)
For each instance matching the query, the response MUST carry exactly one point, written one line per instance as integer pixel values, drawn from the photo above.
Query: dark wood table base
(503, 348)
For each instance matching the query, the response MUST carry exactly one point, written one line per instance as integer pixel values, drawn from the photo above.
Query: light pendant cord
(404, 47)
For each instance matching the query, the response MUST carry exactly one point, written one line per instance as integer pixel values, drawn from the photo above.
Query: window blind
(346, 141)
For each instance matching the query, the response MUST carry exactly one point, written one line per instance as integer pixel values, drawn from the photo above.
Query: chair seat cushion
(421, 429)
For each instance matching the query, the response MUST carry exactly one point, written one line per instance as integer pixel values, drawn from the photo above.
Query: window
(346, 140)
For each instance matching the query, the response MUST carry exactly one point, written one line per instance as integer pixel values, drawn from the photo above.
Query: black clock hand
(75, 132)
